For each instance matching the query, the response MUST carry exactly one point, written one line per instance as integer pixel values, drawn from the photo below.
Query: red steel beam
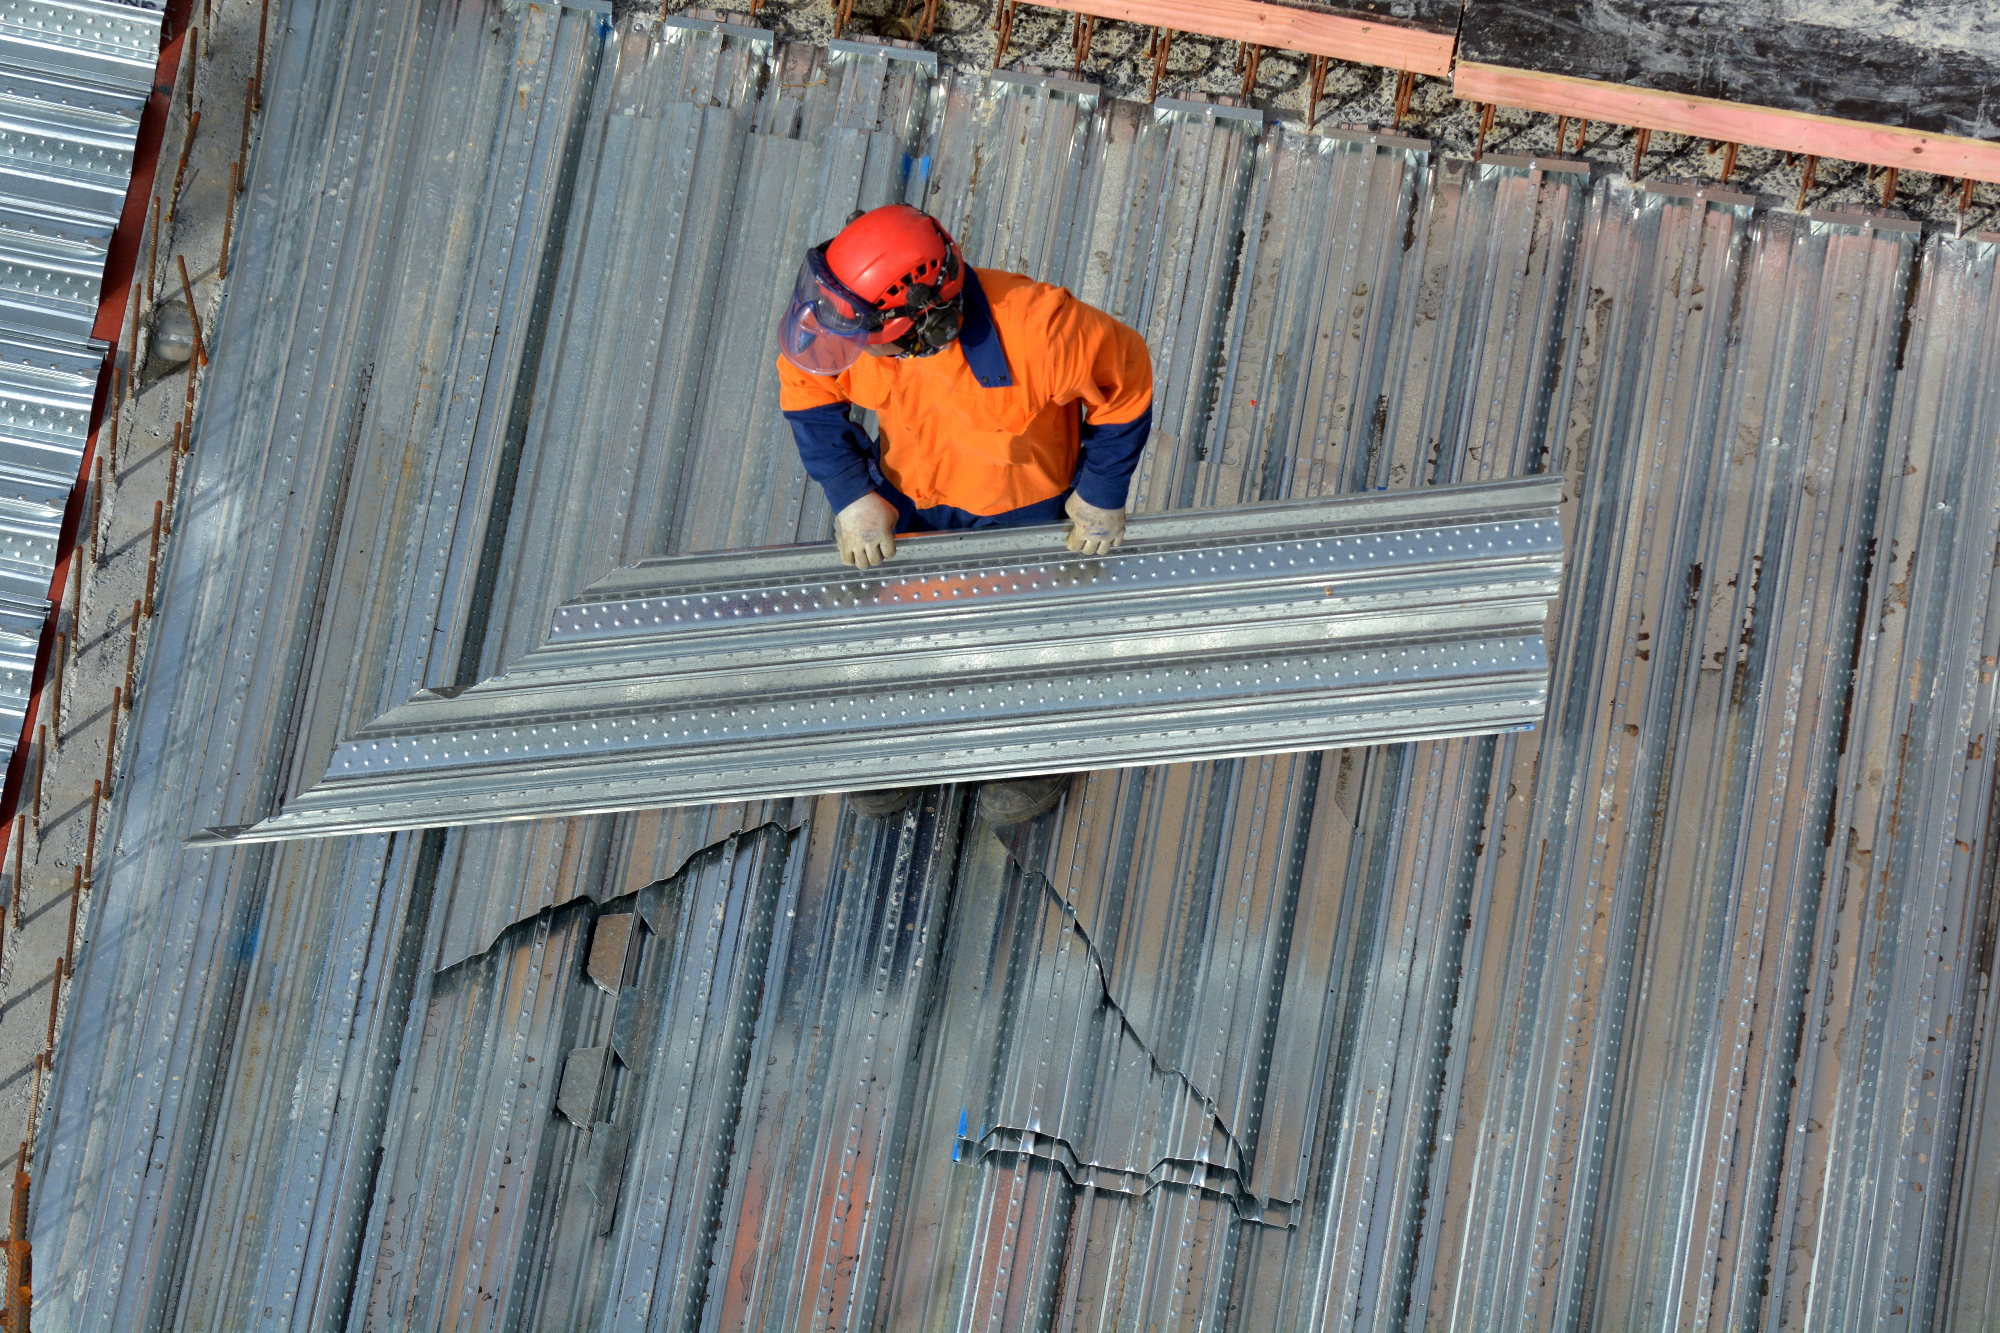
(1728, 122)
(1365, 41)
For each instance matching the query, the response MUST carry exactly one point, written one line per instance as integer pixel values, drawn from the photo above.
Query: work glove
(1093, 531)
(865, 532)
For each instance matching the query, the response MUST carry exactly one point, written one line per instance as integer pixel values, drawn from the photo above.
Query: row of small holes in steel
(58, 20)
(965, 760)
(651, 654)
(967, 702)
(578, 622)
(107, 163)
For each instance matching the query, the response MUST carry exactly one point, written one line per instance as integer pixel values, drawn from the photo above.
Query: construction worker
(999, 400)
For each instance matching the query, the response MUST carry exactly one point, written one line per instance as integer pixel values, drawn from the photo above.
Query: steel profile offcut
(748, 675)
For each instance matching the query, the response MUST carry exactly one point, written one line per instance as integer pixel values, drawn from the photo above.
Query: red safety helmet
(892, 275)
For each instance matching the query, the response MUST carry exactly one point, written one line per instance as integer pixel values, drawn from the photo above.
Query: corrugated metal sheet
(1736, 368)
(377, 321)
(1669, 1014)
(74, 75)
(1904, 950)
(1220, 634)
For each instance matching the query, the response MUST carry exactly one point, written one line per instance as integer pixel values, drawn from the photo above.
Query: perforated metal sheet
(757, 675)
(74, 75)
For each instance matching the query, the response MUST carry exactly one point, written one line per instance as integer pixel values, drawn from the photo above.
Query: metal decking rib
(712, 677)
(1668, 1013)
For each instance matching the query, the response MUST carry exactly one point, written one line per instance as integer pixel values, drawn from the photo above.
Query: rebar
(243, 142)
(173, 478)
(1082, 30)
(117, 401)
(90, 839)
(34, 1107)
(76, 903)
(194, 318)
(97, 505)
(153, 556)
(111, 740)
(228, 220)
(1004, 18)
(152, 266)
(55, 1001)
(132, 345)
(56, 681)
(131, 652)
(18, 1249)
(187, 147)
(1255, 58)
(1316, 71)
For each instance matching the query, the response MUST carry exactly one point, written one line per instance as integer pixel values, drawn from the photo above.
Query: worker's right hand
(865, 531)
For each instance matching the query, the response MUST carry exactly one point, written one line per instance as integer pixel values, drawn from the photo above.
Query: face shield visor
(826, 328)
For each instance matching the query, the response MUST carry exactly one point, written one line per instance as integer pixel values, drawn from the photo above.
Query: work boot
(1017, 800)
(883, 802)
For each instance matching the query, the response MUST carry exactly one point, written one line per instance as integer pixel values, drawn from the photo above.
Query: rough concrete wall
(1926, 64)
(1960, 25)
(1430, 13)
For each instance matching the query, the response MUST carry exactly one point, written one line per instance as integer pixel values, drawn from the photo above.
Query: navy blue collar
(979, 340)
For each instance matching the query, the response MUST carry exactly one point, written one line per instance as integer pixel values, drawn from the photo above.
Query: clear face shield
(826, 327)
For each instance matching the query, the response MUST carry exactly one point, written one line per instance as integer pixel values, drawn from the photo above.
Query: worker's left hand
(1093, 531)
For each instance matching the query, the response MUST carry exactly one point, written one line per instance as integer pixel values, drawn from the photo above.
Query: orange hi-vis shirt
(991, 423)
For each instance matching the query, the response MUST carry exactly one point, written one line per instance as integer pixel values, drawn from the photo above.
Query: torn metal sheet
(1193, 1147)
(1211, 635)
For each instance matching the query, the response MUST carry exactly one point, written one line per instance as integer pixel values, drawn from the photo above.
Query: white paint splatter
(1956, 25)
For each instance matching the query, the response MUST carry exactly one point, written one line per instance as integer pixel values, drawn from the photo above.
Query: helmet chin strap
(933, 331)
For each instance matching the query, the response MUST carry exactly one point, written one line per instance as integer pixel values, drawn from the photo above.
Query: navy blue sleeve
(835, 452)
(1110, 455)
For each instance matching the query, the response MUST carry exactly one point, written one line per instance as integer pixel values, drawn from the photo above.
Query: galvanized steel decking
(74, 75)
(752, 676)
(1670, 1013)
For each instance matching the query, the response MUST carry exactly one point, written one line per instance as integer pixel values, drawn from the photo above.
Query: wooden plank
(1730, 122)
(1365, 41)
